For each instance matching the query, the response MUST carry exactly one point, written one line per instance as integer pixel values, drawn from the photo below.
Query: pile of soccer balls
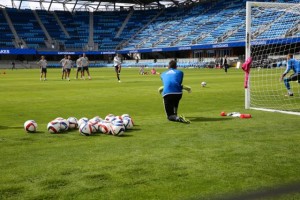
(111, 124)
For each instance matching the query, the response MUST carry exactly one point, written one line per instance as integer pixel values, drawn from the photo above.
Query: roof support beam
(74, 6)
(50, 5)
(98, 6)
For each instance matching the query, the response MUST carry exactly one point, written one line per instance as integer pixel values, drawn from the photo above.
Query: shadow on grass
(10, 127)
(37, 132)
(207, 119)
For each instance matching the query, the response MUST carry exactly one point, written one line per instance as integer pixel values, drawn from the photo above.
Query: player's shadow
(10, 127)
(206, 119)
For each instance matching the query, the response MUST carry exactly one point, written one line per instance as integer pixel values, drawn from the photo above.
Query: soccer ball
(104, 127)
(125, 115)
(95, 119)
(82, 120)
(117, 121)
(94, 126)
(64, 124)
(73, 122)
(109, 117)
(86, 129)
(203, 84)
(128, 122)
(53, 126)
(30, 126)
(117, 129)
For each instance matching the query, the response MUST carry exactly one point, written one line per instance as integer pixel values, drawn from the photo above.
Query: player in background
(295, 66)
(79, 67)
(117, 65)
(67, 67)
(225, 64)
(172, 92)
(85, 66)
(63, 71)
(43, 66)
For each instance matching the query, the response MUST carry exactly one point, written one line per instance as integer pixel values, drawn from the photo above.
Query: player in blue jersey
(172, 91)
(292, 64)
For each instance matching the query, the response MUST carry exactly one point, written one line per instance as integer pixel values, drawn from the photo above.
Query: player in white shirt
(62, 62)
(85, 65)
(79, 67)
(68, 66)
(117, 65)
(43, 65)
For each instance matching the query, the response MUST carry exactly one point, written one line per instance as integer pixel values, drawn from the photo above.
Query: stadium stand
(203, 23)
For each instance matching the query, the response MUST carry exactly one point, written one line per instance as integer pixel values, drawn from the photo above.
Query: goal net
(272, 32)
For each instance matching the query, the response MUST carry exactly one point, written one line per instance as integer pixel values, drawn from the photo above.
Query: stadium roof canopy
(93, 5)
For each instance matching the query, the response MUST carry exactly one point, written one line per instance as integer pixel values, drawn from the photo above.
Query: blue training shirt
(294, 65)
(172, 81)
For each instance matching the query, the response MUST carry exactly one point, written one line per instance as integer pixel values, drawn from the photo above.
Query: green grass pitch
(212, 157)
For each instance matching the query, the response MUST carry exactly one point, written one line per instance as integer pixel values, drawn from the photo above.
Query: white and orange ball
(104, 127)
(30, 126)
(54, 126)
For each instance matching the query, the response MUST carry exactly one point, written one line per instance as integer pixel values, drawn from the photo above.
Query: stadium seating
(205, 23)
(6, 35)
(27, 27)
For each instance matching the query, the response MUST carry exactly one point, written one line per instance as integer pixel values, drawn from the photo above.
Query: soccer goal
(272, 32)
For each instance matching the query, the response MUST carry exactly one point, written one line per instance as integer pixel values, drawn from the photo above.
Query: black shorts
(117, 69)
(68, 70)
(85, 68)
(171, 103)
(43, 70)
(79, 69)
(294, 77)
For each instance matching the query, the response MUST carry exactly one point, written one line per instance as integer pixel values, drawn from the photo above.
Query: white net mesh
(275, 32)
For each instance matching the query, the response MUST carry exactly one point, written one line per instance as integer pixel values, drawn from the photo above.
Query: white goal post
(272, 32)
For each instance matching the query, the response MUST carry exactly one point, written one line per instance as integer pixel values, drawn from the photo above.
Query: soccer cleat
(289, 95)
(183, 119)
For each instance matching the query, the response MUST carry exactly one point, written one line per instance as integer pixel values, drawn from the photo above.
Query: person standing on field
(67, 67)
(63, 71)
(85, 66)
(225, 63)
(79, 67)
(172, 92)
(43, 66)
(117, 65)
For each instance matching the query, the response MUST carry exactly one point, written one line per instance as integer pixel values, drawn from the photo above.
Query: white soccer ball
(86, 129)
(94, 126)
(104, 127)
(109, 117)
(117, 121)
(30, 126)
(95, 119)
(54, 126)
(73, 122)
(82, 120)
(64, 125)
(128, 122)
(117, 129)
(125, 115)
(203, 84)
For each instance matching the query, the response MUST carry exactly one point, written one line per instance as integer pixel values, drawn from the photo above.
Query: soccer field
(212, 157)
